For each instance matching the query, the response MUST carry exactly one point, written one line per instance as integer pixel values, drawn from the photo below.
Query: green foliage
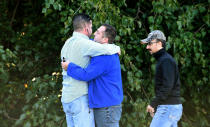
(32, 34)
(40, 103)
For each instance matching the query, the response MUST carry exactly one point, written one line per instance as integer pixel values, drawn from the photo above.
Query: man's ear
(160, 43)
(85, 27)
(106, 40)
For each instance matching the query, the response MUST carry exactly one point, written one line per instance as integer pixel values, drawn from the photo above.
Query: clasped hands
(64, 65)
(151, 110)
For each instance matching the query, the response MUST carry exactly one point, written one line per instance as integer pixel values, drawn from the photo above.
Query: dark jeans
(108, 116)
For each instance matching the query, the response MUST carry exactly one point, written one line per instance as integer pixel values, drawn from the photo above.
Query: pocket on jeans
(114, 114)
(75, 107)
(161, 110)
(176, 113)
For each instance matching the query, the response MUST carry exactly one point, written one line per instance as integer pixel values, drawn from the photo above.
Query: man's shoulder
(84, 40)
(166, 56)
(106, 56)
(106, 59)
(87, 43)
(167, 59)
(77, 38)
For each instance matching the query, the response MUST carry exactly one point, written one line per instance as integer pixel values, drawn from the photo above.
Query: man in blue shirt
(103, 74)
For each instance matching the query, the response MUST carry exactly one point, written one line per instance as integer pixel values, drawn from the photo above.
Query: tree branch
(137, 13)
(61, 123)
(8, 117)
(129, 95)
(200, 28)
(14, 12)
(145, 93)
(77, 9)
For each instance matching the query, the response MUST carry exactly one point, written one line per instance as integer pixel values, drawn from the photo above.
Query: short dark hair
(110, 33)
(80, 20)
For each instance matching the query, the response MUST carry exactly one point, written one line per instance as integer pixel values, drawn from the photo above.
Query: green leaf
(55, 6)
(117, 38)
(179, 23)
(51, 1)
(27, 124)
(44, 10)
(151, 19)
(22, 117)
(139, 24)
(47, 5)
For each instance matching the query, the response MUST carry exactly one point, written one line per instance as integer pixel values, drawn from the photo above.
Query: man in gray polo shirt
(78, 49)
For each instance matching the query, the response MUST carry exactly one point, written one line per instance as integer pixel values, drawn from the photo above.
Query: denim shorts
(78, 114)
(108, 116)
(167, 116)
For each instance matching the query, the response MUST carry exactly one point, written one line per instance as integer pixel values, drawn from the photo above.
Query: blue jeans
(167, 116)
(108, 116)
(78, 114)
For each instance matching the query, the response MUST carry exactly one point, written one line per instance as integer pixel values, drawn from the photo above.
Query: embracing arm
(94, 69)
(96, 49)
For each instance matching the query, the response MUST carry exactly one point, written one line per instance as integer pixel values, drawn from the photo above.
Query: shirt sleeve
(94, 69)
(168, 78)
(96, 49)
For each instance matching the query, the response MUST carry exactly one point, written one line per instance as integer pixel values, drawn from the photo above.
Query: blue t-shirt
(104, 78)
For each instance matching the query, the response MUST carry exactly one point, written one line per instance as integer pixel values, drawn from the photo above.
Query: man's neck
(104, 42)
(159, 53)
(82, 32)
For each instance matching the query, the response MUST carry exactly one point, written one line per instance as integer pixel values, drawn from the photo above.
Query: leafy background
(32, 33)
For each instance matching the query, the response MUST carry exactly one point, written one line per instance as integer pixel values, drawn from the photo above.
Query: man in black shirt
(167, 101)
